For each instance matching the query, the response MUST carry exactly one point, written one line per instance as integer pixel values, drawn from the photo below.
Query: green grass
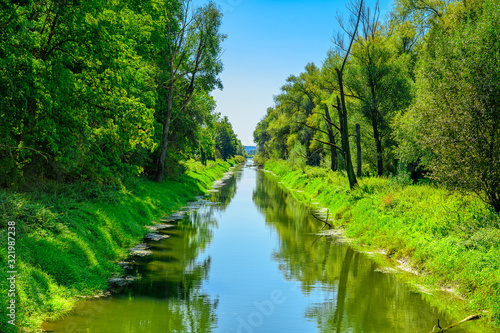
(69, 237)
(452, 239)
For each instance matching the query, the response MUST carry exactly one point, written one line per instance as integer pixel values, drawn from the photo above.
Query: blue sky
(268, 41)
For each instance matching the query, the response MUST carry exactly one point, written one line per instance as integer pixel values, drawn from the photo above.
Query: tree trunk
(358, 148)
(495, 202)
(160, 171)
(378, 145)
(331, 137)
(203, 156)
(376, 134)
(344, 132)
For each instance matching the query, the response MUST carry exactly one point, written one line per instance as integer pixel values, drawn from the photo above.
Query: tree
(378, 78)
(459, 99)
(75, 95)
(226, 141)
(341, 106)
(190, 60)
(300, 98)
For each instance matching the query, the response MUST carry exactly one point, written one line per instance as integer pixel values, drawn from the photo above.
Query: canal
(250, 258)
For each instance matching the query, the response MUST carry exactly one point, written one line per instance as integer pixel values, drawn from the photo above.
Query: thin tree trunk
(331, 137)
(495, 202)
(345, 132)
(160, 171)
(378, 145)
(358, 148)
(376, 134)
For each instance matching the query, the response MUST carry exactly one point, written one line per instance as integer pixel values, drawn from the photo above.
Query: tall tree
(74, 91)
(189, 60)
(459, 99)
(341, 105)
(379, 80)
(226, 141)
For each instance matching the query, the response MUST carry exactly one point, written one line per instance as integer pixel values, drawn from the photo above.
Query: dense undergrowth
(452, 239)
(69, 237)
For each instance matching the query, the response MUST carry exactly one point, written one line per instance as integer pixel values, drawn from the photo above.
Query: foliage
(73, 103)
(226, 143)
(239, 159)
(458, 106)
(380, 81)
(298, 156)
(69, 236)
(82, 87)
(448, 236)
(188, 61)
(423, 87)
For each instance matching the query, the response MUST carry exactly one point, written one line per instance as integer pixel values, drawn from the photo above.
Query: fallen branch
(325, 222)
(439, 329)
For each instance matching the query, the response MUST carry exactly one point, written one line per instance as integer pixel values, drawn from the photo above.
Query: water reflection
(357, 297)
(251, 261)
(225, 194)
(167, 298)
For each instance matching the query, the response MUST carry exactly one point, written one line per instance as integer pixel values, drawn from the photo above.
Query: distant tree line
(424, 86)
(104, 90)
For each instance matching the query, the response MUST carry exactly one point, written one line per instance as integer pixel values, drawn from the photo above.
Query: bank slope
(69, 237)
(451, 239)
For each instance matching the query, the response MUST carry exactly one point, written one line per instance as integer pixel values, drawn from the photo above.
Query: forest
(415, 94)
(101, 91)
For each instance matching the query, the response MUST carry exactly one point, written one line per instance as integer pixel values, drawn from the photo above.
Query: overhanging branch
(330, 144)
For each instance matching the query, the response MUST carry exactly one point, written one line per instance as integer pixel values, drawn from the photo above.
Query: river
(251, 259)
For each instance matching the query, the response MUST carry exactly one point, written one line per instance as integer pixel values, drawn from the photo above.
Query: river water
(250, 259)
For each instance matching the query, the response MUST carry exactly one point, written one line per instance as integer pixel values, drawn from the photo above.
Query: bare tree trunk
(342, 108)
(358, 148)
(344, 132)
(331, 137)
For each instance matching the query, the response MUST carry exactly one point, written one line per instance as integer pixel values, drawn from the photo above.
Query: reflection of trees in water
(172, 272)
(226, 193)
(359, 298)
(168, 297)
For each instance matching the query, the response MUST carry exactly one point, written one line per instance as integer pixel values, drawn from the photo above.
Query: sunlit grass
(71, 236)
(454, 238)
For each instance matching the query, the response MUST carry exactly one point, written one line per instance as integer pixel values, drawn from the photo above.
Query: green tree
(459, 99)
(342, 53)
(190, 49)
(225, 140)
(74, 92)
(379, 79)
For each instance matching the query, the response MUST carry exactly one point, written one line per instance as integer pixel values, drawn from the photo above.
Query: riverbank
(69, 238)
(450, 241)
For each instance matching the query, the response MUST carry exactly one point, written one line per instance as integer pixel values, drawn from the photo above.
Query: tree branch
(330, 144)
(57, 45)
(314, 128)
(470, 318)
(325, 222)
(353, 36)
(331, 123)
(44, 155)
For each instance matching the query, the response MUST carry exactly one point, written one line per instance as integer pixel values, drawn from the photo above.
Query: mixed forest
(416, 93)
(107, 123)
(101, 91)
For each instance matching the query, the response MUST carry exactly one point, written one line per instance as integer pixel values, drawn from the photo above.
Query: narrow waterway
(250, 260)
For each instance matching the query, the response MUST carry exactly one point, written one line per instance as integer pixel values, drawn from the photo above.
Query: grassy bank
(451, 239)
(69, 237)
